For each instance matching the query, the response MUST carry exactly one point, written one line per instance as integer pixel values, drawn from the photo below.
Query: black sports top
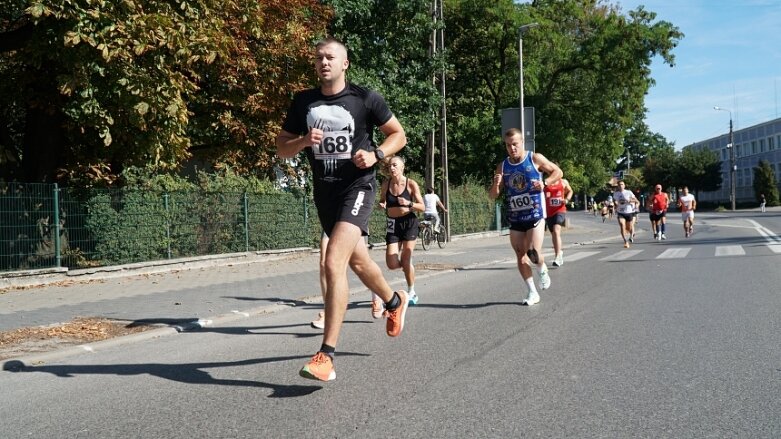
(393, 200)
(348, 120)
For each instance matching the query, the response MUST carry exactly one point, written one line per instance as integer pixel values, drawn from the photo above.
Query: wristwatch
(379, 154)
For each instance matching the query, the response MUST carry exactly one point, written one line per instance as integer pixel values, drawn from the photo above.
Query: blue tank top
(524, 203)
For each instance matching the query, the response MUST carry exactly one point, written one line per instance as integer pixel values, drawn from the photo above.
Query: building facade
(752, 144)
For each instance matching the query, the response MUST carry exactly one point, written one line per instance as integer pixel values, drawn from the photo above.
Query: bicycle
(428, 234)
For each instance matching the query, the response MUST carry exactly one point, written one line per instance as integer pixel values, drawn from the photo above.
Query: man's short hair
(331, 40)
(512, 132)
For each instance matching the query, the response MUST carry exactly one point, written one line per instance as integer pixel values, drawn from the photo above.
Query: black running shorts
(403, 228)
(524, 226)
(558, 219)
(353, 205)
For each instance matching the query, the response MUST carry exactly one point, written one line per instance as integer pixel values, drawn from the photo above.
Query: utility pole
(733, 167)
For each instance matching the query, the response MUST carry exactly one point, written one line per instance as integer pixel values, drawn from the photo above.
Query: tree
(661, 166)
(482, 45)
(391, 55)
(639, 142)
(586, 72)
(765, 183)
(592, 69)
(100, 86)
(699, 169)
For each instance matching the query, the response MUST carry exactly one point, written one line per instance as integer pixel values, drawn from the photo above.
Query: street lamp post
(521, 31)
(732, 164)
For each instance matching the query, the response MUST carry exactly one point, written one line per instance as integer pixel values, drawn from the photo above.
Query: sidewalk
(178, 296)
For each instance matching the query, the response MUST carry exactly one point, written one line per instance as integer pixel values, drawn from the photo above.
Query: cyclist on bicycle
(431, 201)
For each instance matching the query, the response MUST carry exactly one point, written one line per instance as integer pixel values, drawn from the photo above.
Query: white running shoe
(378, 308)
(320, 322)
(663, 237)
(558, 261)
(413, 297)
(532, 299)
(544, 279)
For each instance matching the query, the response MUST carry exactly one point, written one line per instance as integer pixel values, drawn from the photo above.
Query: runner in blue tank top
(521, 176)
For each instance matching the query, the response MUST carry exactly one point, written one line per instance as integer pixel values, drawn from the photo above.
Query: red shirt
(554, 199)
(659, 203)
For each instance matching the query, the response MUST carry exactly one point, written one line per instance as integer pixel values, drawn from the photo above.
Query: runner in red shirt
(657, 208)
(557, 195)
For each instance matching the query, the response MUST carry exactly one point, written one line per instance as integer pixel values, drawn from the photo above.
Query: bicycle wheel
(425, 237)
(442, 236)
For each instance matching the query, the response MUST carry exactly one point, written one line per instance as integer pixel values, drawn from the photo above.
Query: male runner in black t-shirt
(334, 125)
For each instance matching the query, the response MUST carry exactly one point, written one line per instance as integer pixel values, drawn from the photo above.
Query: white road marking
(730, 250)
(776, 248)
(770, 237)
(622, 255)
(674, 253)
(572, 257)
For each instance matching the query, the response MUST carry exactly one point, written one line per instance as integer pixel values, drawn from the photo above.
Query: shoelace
(320, 358)
(392, 314)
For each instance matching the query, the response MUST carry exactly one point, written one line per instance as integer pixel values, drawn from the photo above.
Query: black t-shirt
(348, 119)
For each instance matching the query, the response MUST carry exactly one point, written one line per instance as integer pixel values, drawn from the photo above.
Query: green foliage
(700, 169)
(153, 84)
(128, 226)
(471, 210)
(634, 180)
(157, 215)
(592, 66)
(132, 83)
(392, 56)
(661, 166)
(765, 183)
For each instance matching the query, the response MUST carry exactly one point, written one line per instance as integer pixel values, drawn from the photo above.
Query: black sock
(328, 350)
(394, 302)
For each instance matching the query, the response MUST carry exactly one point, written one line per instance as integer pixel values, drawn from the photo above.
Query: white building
(752, 144)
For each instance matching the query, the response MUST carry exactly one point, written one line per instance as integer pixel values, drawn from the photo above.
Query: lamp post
(521, 31)
(732, 165)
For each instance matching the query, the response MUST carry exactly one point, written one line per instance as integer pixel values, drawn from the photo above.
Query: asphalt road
(678, 338)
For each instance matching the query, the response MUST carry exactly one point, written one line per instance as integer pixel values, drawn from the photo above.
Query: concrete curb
(39, 278)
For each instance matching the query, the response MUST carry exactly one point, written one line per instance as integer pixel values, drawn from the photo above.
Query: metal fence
(45, 226)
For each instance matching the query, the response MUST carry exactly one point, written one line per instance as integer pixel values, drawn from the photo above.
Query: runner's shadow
(188, 373)
(467, 305)
(278, 300)
(264, 330)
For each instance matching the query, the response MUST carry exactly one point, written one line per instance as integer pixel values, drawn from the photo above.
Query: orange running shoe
(395, 318)
(626, 244)
(378, 309)
(320, 367)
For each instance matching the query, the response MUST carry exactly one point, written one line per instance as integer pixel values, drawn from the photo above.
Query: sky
(730, 57)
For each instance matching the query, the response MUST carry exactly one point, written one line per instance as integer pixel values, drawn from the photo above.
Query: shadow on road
(189, 373)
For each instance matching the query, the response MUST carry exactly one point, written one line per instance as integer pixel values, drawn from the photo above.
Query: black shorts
(657, 217)
(626, 216)
(558, 219)
(524, 226)
(352, 205)
(403, 228)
